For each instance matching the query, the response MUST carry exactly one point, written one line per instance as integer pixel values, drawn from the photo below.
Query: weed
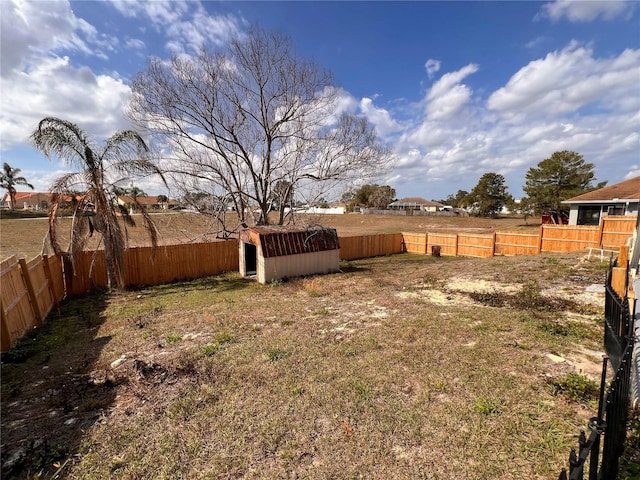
(274, 354)
(209, 350)
(441, 386)
(554, 328)
(487, 405)
(363, 388)
(223, 337)
(321, 311)
(172, 338)
(491, 299)
(276, 283)
(219, 340)
(576, 387)
(314, 287)
(431, 280)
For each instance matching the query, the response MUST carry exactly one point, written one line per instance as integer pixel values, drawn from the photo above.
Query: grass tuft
(576, 387)
(275, 354)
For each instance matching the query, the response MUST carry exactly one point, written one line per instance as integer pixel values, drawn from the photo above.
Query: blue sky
(455, 89)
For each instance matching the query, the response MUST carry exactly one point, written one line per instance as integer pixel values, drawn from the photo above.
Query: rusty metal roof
(277, 241)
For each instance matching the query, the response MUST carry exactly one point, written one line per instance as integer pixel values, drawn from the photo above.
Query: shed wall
(274, 268)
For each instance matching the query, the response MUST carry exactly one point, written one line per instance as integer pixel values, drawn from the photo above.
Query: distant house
(28, 201)
(149, 202)
(416, 203)
(620, 199)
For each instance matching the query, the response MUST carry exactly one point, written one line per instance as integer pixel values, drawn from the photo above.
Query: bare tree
(245, 119)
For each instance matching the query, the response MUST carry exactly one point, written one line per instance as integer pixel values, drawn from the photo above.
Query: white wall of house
(602, 209)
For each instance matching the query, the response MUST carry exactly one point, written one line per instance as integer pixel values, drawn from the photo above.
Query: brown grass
(25, 237)
(399, 367)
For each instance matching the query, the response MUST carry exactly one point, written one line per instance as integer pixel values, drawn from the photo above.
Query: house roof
(623, 191)
(27, 195)
(278, 241)
(142, 200)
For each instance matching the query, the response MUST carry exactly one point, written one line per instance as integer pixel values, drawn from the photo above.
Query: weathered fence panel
(517, 243)
(89, 271)
(568, 238)
(415, 242)
(365, 246)
(169, 263)
(447, 243)
(38, 285)
(54, 272)
(17, 313)
(476, 244)
(616, 230)
(29, 291)
(180, 262)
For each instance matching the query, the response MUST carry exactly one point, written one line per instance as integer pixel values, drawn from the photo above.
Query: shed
(275, 252)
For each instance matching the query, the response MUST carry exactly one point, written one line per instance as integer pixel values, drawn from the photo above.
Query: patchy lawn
(399, 367)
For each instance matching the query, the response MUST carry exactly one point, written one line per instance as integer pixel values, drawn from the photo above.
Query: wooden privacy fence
(30, 290)
(612, 233)
(169, 264)
(365, 246)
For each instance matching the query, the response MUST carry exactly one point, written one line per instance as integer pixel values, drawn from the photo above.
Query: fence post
(601, 230)
(540, 239)
(426, 241)
(32, 293)
(49, 276)
(455, 250)
(597, 423)
(493, 245)
(5, 339)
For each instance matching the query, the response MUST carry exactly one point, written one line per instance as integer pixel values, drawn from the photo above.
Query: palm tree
(100, 168)
(9, 177)
(134, 192)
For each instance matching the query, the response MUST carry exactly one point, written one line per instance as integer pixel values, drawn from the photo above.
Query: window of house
(589, 215)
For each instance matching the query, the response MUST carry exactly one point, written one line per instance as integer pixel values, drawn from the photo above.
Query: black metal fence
(613, 404)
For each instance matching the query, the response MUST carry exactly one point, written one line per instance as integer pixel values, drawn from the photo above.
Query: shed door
(250, 258)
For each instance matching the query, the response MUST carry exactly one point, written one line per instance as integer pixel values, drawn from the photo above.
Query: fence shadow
(48, 395)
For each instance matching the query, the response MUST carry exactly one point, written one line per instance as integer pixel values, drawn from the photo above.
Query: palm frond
(64, 139)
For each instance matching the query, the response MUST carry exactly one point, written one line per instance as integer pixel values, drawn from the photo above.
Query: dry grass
(24, 237)
(396, 368)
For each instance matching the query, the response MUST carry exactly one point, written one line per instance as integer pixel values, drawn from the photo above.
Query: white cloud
(76, 94)
(380, 117)
(187, 25)
(447, 96)
(135, 44)
(568, 100)
(568, 80)
(432, 66)
(634, 171)
(30, 31)
(585, 11)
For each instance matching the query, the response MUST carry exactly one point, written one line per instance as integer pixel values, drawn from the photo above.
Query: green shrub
(577, 387)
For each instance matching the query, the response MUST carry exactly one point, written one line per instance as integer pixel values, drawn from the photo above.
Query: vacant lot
(399, 367)
(25, 237)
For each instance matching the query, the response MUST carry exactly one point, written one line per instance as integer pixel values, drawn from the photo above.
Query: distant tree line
(563, 175)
